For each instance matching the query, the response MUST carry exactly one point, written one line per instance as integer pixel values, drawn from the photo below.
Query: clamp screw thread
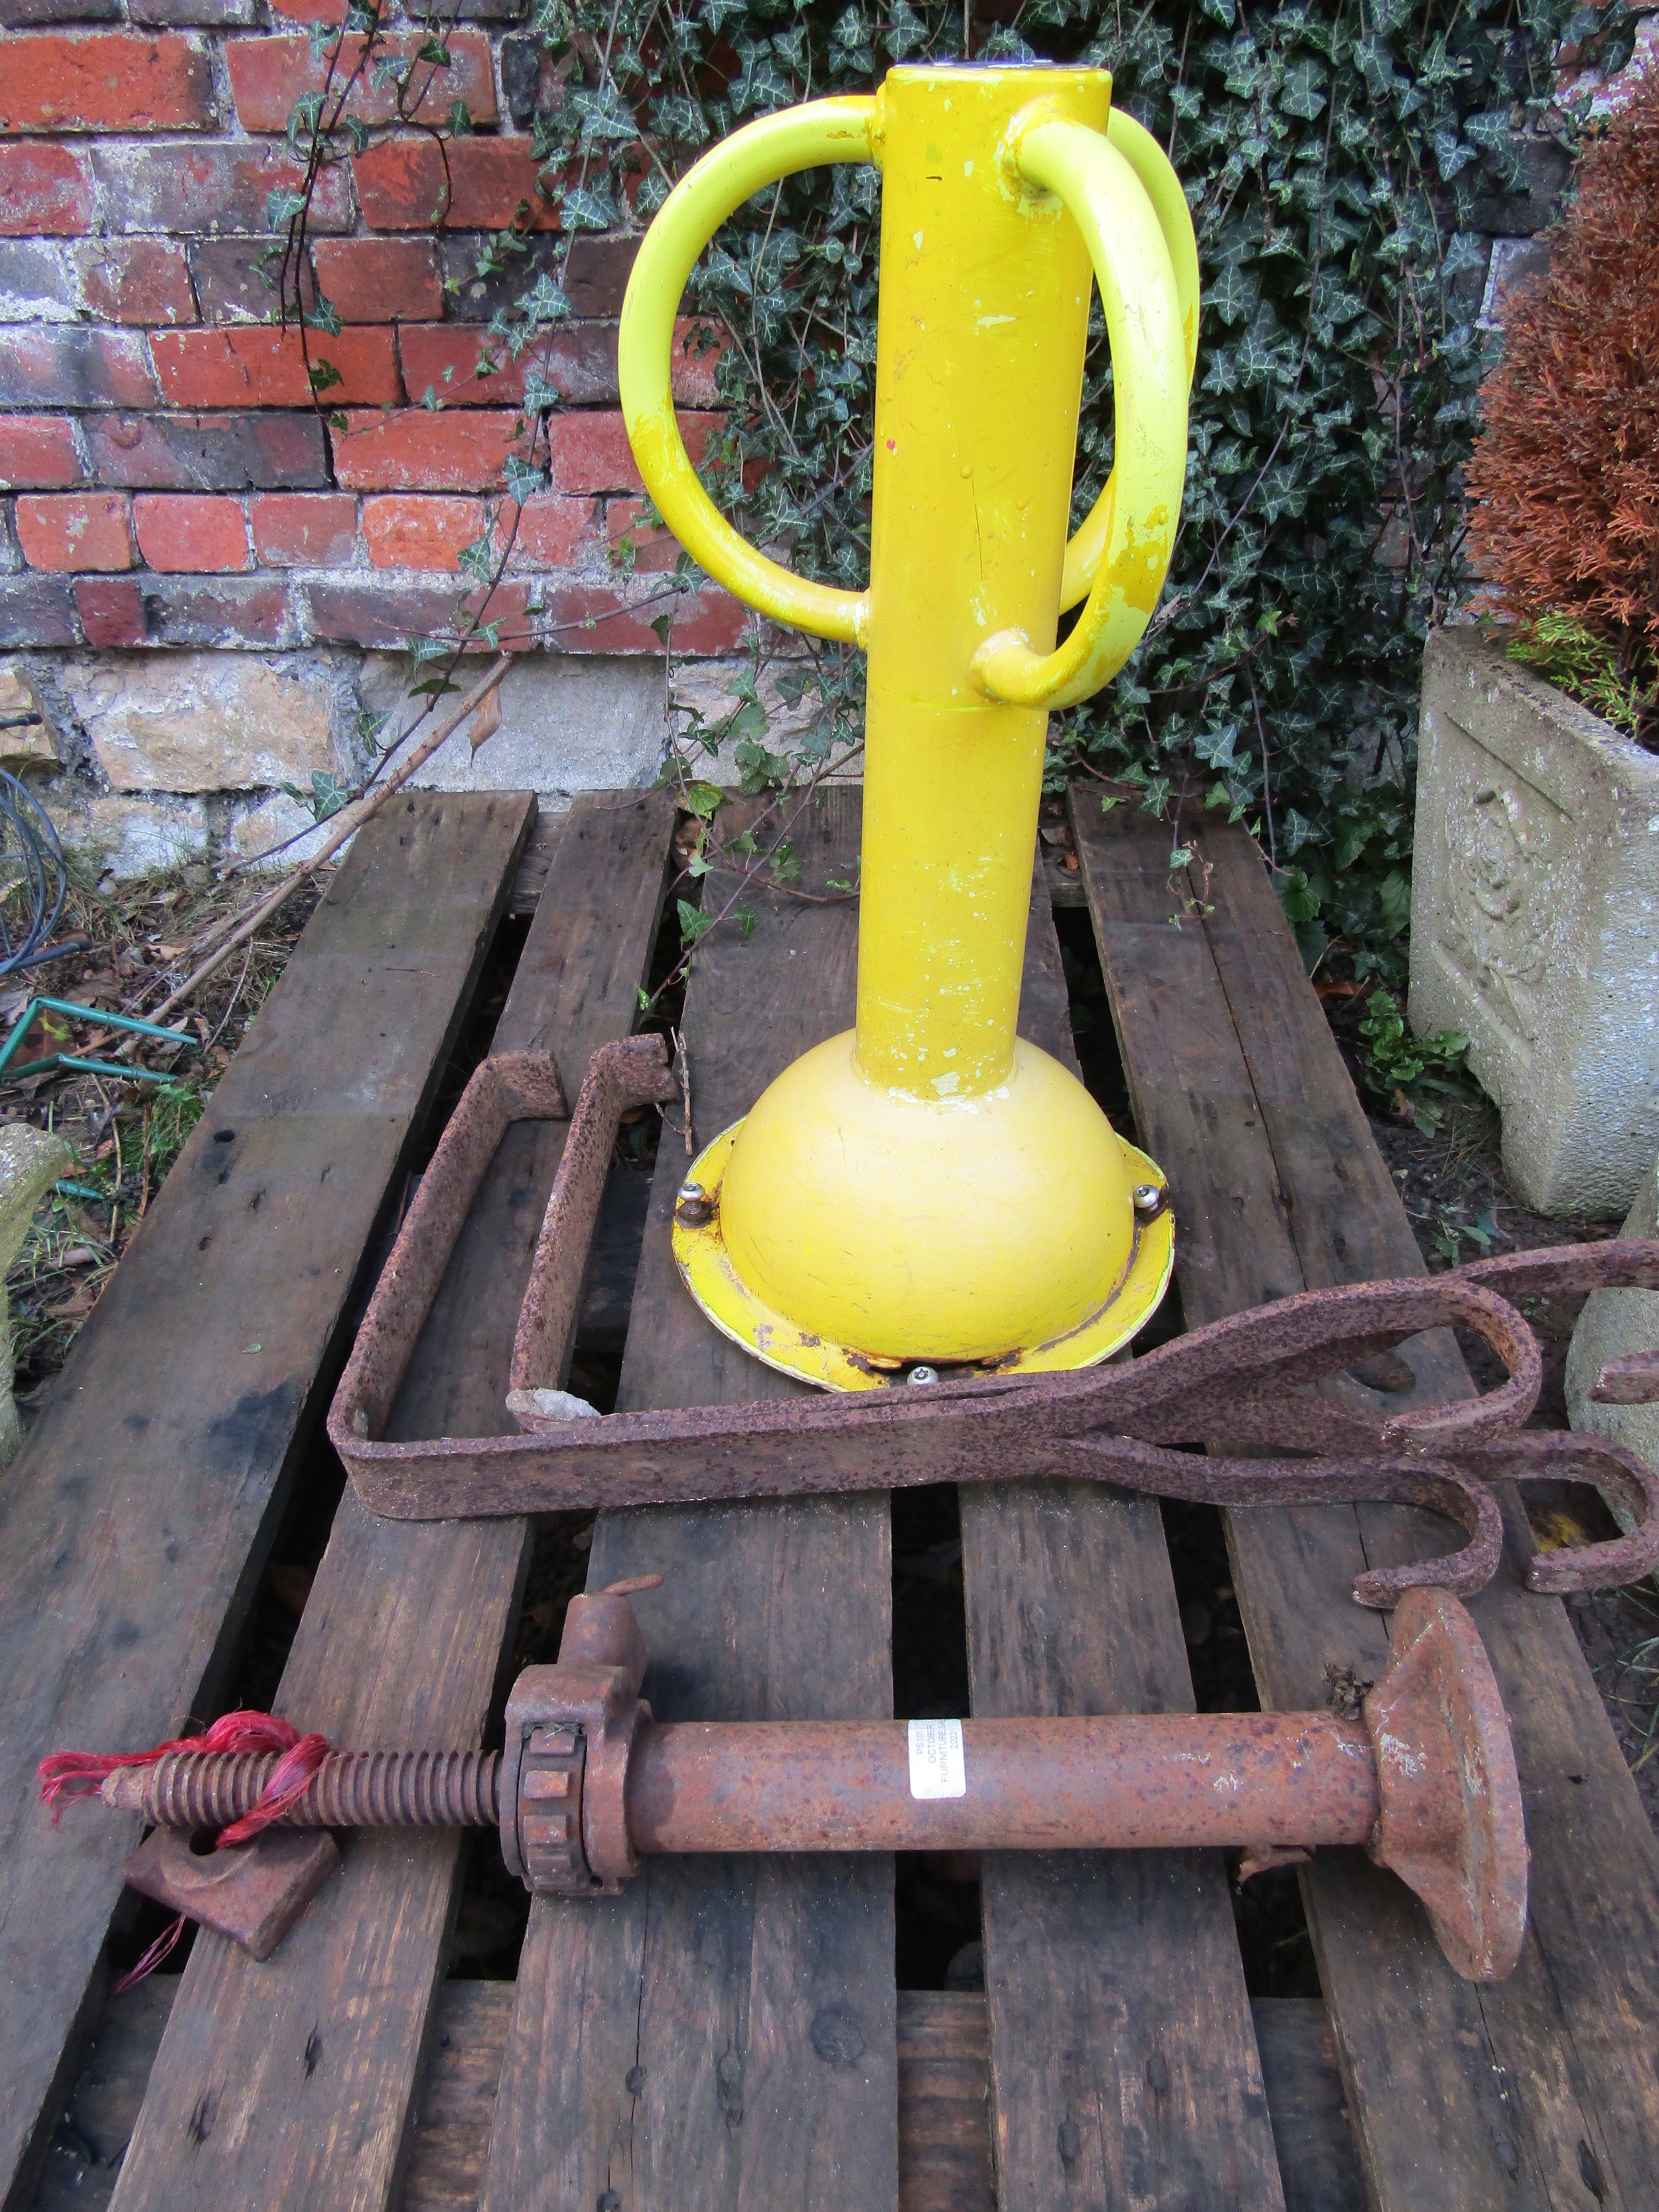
(349, 1789)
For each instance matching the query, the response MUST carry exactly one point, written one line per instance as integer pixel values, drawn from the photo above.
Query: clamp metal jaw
(570, 1734)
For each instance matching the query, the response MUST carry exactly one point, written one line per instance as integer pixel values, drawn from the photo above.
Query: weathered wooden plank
(90, 2134)
(723, 2032)
(945, 2163)
(289, 2084)
(135, 1522)
(1316, 2153)
(451, 2135)
(1575, 2032)
(1540, 2092)
(1122, 2050)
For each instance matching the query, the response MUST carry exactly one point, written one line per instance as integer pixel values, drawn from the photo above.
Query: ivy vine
(1334, 152)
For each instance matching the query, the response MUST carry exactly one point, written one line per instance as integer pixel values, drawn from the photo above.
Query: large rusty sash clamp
(588, 1785)
(1279, 1379)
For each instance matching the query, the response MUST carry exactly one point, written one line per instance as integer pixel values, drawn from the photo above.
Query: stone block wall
(200, 575)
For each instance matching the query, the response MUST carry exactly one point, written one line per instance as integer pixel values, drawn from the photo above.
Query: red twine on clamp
(160, 1949)
(65, 1775)
(68, 1774)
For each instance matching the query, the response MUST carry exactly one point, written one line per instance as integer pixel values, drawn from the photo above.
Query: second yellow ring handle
(1135, 518)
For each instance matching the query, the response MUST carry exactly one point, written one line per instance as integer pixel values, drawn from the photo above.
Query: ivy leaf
(522, 477)
(544, 302)
(477, 560)
(1234, 295)
(323, 376)
(328, 794)
(541, 395)
(303, 118)
(694, 922)
(1394, 896)
(282, 205)
(1302, 93)
(588, 207)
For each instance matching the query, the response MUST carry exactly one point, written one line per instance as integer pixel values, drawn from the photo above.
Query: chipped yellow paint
(926, 1186)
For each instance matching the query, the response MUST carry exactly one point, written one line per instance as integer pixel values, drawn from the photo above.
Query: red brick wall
(164, 480)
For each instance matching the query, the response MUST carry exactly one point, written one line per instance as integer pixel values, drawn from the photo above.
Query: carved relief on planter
(1495, 837)
(1535, 920)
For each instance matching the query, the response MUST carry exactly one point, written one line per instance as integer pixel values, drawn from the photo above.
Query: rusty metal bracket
(516, 1087)
(253, 1893)
(631, 1072)
(588, 1783)
(1313, 1379)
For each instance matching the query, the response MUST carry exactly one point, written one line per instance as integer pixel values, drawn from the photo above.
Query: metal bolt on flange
(1147, 1199)
(693, 1207)
(922, 1375)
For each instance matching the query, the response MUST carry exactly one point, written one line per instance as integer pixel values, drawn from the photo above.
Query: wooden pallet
(946, 2160)
(728, 2033)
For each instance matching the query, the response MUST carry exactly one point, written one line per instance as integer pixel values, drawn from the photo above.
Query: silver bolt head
(1146, 1197)
(691, 1193)
(922, 1375)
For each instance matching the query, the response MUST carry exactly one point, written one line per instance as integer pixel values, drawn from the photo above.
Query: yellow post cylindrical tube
(928, 1187)
(982, 316)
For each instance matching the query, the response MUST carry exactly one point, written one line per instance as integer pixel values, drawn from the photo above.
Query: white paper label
(936, 1766)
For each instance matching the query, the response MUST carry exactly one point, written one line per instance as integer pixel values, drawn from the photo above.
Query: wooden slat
(289, 2084)
(90, 2136)
(1316, 2153)
(723, 2032)
(450, 2134)
(945, 2162)
(1541, 2092)
(134, 1525)
(1122, 2049)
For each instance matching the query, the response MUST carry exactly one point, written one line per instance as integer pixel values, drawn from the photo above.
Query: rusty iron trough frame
(1277, 1381)
(588, 1783)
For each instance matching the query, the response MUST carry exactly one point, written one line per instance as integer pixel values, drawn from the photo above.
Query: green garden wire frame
(80, 1064)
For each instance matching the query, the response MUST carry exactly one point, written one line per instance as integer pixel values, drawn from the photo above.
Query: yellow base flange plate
(706, 1268)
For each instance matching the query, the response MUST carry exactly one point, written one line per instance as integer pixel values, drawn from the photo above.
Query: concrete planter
(1535, 921)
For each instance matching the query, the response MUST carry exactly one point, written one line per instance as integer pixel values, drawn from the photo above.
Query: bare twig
(682, 1069)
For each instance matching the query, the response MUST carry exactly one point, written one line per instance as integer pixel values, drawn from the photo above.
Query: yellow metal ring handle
(1162, 187)
(847, 130)
(759, 154)
(1151, 362)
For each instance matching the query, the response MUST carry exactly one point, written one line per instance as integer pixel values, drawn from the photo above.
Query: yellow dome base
(843, 1233)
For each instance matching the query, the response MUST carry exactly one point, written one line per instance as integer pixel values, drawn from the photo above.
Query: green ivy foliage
(1333, 152)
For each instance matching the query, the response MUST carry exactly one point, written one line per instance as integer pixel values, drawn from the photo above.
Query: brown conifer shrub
(1565, 475)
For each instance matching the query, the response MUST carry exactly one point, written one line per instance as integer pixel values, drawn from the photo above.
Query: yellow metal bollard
(929, 1187)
